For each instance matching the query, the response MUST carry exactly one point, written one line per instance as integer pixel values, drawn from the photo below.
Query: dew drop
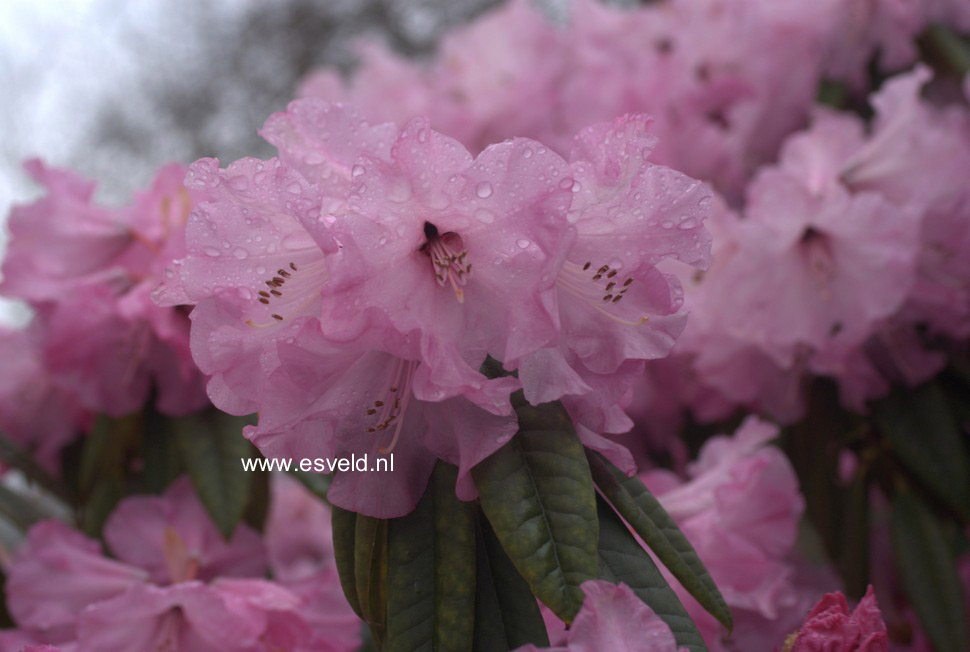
(485, 216)
(357, 170)
(240, 253)
(212, 251)
(527, 152)
(522, 243)
(687, 223)
(484, 190)
(566, 183)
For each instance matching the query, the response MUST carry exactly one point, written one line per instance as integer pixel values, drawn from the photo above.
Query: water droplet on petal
(522, 243)
(484, 215)
(687, 223)
(240, 253)
(527, 152)
(212, 251)
(566, 183)
(484, 190)
(357, 170)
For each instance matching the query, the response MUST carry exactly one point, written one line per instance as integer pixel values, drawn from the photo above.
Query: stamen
(390, 411)
(447, 259)
(589, 289)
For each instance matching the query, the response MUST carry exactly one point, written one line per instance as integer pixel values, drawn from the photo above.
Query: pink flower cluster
(864, 227)
(350, 289)
(174, 583)
(97, 343)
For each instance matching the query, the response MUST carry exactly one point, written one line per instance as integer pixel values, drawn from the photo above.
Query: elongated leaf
(506, 613)
(431, 572)
(14, 456)
(370, 573)
(920, 428)
(411, 580)
(623, 560)
(454, 564)
(538, 496)
(212, 445)
(344, 527)
(929, 572)
(106, 448)
(160, 451)
(106, 494)
(649, 519)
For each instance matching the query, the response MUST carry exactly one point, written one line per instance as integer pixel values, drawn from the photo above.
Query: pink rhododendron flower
(614, 618)
(740, 509)
(88, 272)
(831, 627)
(176, 582)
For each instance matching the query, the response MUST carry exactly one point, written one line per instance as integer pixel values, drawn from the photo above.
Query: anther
(277, 317)
(264, 300)
(276, 293)
(264, 293)
(607, 297)
(628, 281)
(610, 285)
(611, 274)
(617, 298)
(293, 266)
(587, 265)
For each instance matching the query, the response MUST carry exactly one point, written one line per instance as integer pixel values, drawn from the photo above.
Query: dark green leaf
(921, 430)
(105, 495)
(212, 445)
(106, 449)
(623, 560)
(431, 572)
(928, 572)
(649, 519)
(344, 527)
(370, 573)
(160, 451)
(506, 613)
(538, 496)
(411, 580)
(454, 563)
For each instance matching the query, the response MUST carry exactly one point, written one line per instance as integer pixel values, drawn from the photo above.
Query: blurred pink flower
(88, 273)
(740, 509)
(176, 582)
(613, 618)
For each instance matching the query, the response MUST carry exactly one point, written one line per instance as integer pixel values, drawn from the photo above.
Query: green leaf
(538, 496)
(14, 456)
(928, 571)
(106, 449)
(623, 560)
(454, 563)
(431, 571)
(370, 573)
(104, 497)
(507, 615)
(344, 527)
(212, 444)
(649, 519)
(160, 451)
(927, 440)
(411, 580)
